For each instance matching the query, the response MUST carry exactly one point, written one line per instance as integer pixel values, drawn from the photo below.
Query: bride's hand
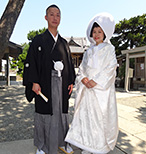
(91, 84)
(85, 80)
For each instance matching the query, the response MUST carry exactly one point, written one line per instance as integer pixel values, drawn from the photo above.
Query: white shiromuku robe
(95, 124)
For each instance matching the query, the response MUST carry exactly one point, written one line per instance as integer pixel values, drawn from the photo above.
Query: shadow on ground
(16, 115)
(142, 113)
(124, 145)
(16, 118)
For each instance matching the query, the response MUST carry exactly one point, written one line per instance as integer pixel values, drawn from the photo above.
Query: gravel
(16, 113)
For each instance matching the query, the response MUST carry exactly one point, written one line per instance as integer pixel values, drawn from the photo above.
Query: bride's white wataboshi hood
(106, 22)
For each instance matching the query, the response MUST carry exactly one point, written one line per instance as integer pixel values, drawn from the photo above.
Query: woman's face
(98, 35)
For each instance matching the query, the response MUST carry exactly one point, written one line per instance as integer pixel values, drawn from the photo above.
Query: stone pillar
(7, 70)
(0, 65)
(145, 69)
(127, 72)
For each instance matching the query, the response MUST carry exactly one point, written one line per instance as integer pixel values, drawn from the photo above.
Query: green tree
(33, 33)
(19, 62)
(130, 33)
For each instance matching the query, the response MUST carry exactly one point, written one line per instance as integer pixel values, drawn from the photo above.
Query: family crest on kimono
(94, 128)
(50, 72)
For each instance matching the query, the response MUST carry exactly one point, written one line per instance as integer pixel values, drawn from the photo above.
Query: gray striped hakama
(50, 131)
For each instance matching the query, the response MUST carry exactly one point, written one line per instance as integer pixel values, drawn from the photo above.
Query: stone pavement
(132, 134)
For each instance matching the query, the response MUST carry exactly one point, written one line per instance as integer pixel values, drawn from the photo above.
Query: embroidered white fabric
(95, 127)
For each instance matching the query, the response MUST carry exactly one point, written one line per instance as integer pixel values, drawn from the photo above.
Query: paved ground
(16, 122)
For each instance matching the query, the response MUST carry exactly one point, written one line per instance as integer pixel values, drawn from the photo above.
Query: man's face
(53, 17)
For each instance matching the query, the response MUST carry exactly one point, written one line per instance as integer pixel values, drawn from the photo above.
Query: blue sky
(75, 15)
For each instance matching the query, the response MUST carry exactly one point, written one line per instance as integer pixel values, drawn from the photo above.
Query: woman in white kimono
(95, 124)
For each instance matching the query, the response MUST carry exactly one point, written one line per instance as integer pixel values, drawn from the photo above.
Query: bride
(94, 128)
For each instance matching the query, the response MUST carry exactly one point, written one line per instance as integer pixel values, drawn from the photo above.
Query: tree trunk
(8, 21)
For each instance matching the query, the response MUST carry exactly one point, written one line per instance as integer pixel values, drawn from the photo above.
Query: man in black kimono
(48, 69)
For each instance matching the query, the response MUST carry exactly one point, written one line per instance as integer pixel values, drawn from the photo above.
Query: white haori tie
(58, 66)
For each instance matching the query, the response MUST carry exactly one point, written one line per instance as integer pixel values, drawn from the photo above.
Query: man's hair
(96, 25)
(51, 6)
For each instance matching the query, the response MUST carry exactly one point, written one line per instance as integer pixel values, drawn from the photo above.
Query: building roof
(13, 50)
(137, 49)
(80, 41)
(73, 43)
(77, 44)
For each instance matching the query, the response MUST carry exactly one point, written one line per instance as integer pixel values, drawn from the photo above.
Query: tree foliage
(19, 62)
(130, 33)
(33, 33)
(8, 21)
